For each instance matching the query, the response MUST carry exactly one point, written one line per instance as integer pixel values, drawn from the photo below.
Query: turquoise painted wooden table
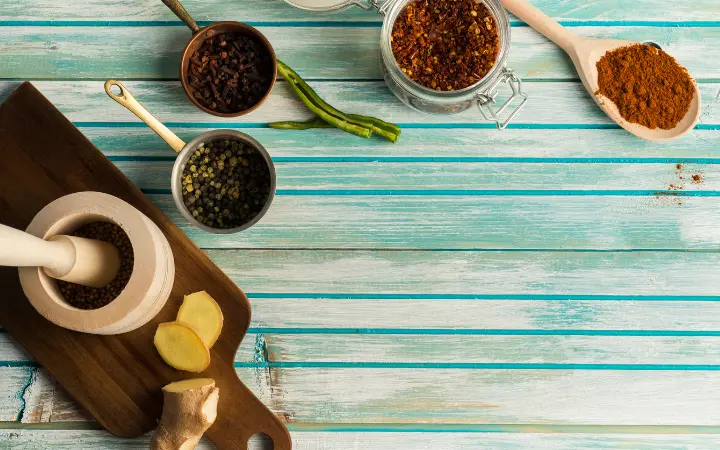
(464, 288)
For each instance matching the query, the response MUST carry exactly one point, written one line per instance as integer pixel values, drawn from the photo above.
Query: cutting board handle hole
(261, 441)
(115, 89)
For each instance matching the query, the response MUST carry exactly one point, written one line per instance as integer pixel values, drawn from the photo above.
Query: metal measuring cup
(185, 150)
(199, 36)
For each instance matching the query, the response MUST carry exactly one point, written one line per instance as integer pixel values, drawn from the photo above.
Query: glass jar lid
(335, 5)
(321, 5)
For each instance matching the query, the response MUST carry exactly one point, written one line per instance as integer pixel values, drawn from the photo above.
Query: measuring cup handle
(182, 14)
(128, 101)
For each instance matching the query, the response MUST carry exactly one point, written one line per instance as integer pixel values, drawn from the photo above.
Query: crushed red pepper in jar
(445, 45)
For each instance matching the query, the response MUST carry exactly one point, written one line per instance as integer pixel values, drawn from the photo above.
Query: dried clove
(230, 73)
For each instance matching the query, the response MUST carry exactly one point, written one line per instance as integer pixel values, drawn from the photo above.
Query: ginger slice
(181, 347)
(203, 314)
(189, 409)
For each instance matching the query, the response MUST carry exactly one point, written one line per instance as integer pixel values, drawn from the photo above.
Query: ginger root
(203, 314)
(189, 409)
(181, 347)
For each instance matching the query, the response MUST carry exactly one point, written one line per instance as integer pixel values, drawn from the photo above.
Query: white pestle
(74, 259)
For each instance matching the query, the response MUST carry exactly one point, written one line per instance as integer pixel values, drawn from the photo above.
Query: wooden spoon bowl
(585, 54)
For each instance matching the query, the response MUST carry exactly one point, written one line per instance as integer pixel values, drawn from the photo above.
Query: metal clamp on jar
(483, 93)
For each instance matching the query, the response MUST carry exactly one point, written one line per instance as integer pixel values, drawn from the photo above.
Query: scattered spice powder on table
(445, 45)
(648, 86)
(86, 297)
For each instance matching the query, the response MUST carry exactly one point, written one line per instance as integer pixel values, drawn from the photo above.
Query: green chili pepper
(387, 130)
(315, 122)
(379, 123)
(327, 117)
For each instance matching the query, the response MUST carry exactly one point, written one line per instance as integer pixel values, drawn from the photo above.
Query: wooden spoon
(585, 53)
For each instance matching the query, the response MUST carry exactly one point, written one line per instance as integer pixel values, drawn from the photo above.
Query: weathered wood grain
(563, 291)
(306, 440)
(435, 145)
(556, 104)
(315, 52)
(472, 222)
(413, 349)
(465, 349)
(277, 10)
(443, 313)
(446, 315)
(499, 396)
(375, 395)
(504, 272)
(15, 381)
(461, 176)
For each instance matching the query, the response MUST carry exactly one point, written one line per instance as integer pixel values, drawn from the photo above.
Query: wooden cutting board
(116, 378)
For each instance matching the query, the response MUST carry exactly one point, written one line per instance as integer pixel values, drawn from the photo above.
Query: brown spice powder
(445, 45)
(648, 86)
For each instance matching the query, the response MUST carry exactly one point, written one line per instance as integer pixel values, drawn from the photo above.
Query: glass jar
(482, 94)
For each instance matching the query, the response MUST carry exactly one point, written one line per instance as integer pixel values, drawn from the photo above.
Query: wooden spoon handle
(128, 101)
(542, 23)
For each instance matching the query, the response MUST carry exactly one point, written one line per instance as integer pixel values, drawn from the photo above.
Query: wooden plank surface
(494, 273)
(567, 106)
(309, 440)
(279, 11)
(461, 176)
(531, 221)
(449, 350)
(388, 393)
(315, 52)
(430, 144)
(391, 283)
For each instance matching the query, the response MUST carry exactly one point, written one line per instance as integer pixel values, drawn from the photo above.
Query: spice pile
(86, 297)
(225, 184)
(648, 86)
(230, 73)
(694, 178)
(445, 45)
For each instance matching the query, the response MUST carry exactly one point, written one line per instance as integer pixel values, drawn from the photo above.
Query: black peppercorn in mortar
(225, 184)
(445, 45)
(86, 297)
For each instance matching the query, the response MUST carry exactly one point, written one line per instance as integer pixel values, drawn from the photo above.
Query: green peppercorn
(215, 193)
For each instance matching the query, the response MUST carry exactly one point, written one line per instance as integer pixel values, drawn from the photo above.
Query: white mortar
(149, 285)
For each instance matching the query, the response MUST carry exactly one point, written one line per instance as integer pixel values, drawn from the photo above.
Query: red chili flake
(445, 45)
